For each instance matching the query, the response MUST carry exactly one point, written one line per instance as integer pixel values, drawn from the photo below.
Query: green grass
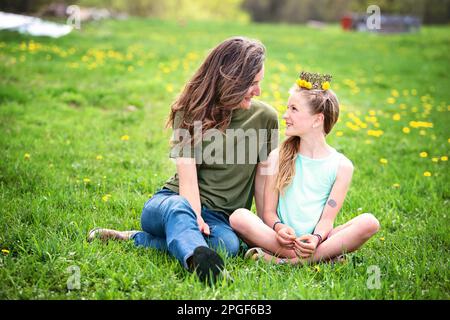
(65, 101)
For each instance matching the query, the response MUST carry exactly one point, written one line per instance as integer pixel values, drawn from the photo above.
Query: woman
(304, 196)
(189, 216)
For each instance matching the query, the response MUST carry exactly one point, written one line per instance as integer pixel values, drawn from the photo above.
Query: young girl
(307, 188)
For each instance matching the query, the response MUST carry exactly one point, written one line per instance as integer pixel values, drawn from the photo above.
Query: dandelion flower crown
(315, 81)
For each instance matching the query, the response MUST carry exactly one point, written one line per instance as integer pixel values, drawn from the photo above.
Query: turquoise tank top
(303, 201)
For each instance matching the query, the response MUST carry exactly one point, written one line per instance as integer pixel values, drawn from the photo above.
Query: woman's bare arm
(188, 188)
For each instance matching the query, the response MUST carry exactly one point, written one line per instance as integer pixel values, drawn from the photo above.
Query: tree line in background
(300, 11)
(287, 11)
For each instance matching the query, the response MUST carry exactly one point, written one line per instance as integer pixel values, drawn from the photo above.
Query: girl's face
(298, 117)
(254, 90)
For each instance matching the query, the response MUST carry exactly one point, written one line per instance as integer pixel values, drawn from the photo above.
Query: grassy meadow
(83, 144)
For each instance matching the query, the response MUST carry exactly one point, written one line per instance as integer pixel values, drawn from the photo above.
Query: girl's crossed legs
(342, 239)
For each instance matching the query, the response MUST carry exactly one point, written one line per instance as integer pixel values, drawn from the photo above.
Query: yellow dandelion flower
(427, 174)
(448, 140)
(420, 124)
(300, 83)
(395, 93)
(352, 126)
(390, 100)
(106, 197)
(383, 161)
(406, 130)
(86, 180)
(396, 185)
(32, 46)
(382, 239)
(308, 85)
(339, 134)
(99, 157)
(435, 159)
(444, 158)
(125, 138)
(317, 268)
(26, 156)
(396, 117)
(326, 85)
(423, 154)
(375, 133)
(5, 251)
(371, 119)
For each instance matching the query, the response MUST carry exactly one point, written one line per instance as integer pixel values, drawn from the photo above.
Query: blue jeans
(170, 224)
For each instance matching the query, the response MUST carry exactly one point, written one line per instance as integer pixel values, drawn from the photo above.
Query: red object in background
(346, 22)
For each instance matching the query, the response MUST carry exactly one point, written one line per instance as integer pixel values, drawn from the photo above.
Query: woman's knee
(157, 212)
(176, 204)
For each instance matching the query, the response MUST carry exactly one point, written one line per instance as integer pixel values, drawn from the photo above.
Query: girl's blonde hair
(319, 101)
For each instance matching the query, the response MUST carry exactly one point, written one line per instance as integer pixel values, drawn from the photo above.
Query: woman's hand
(286, 237)
(306, 245)
(203, 226)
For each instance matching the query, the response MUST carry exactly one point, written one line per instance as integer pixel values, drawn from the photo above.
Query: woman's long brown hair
(219, 85)
(320, 101)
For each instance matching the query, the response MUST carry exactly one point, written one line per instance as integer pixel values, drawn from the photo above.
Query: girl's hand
(203, 226)
(306, 245)
(286, 237)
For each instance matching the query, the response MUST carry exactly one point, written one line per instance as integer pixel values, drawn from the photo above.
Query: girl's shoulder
(274, 154)
(272, 160)
(345, 165)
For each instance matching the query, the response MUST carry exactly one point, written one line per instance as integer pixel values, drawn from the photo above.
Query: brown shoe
(110, 234)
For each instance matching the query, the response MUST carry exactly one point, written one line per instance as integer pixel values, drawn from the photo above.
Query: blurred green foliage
(300, 11)
(290, 11)
(167, 9)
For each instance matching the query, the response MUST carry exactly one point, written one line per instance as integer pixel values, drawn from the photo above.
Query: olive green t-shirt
(226, 161)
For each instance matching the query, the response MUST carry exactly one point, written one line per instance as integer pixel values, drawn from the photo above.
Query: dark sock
(206, 263)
